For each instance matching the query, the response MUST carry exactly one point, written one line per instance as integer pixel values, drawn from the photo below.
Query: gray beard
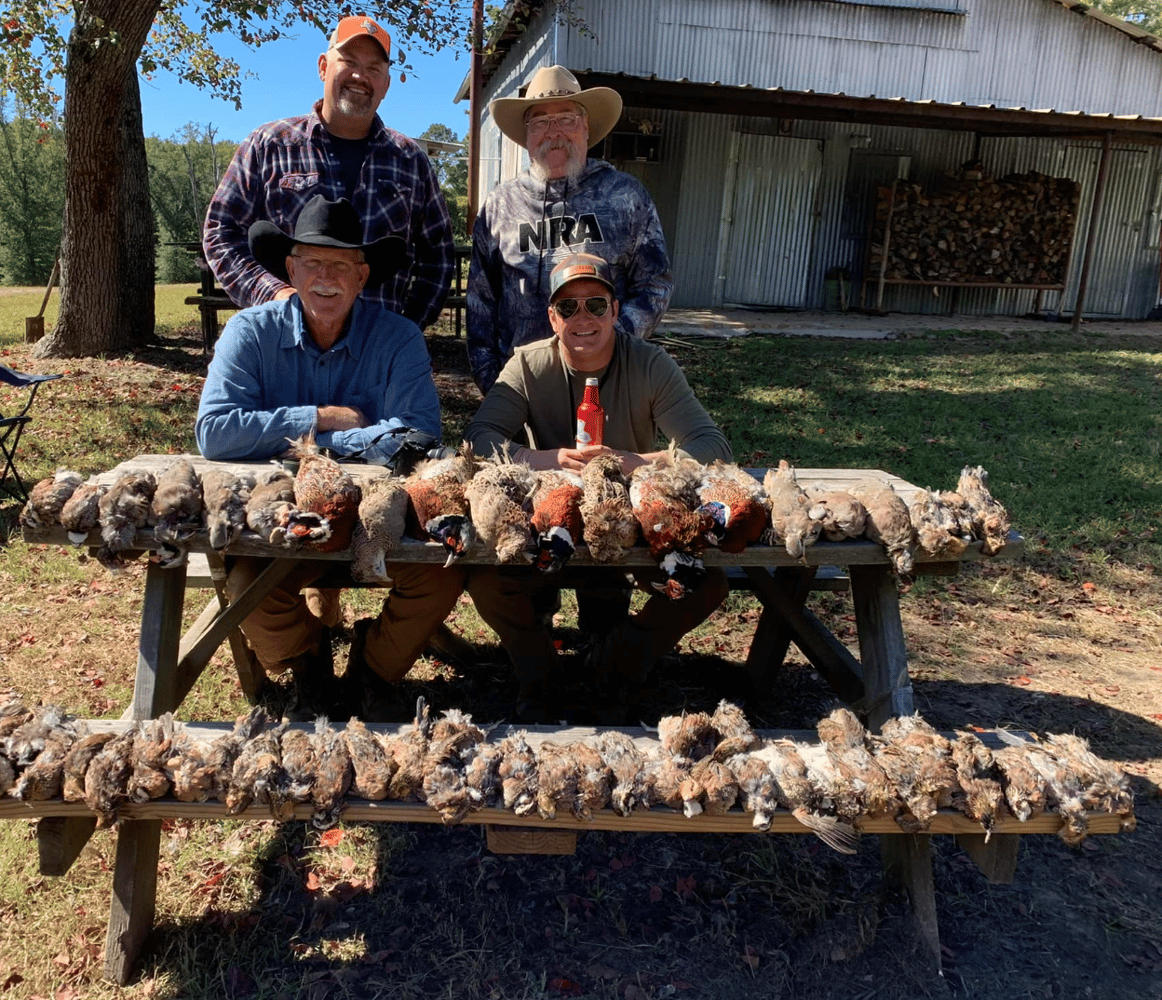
(539, 173)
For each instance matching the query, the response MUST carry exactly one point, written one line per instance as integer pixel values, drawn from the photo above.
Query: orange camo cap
(579, 265)
(360, 24)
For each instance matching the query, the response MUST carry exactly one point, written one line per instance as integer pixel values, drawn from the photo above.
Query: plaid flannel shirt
(283, 164)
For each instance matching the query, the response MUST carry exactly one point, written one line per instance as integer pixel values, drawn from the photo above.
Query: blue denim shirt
(268, 376)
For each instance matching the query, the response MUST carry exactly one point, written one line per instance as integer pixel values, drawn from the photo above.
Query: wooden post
(886, 244)
(1099, 188)
(474, 89)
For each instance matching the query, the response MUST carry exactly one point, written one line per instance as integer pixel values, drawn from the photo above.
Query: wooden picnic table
(876, 685)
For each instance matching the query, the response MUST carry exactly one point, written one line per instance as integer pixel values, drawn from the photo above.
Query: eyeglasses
(317, 265)
(596, 305)
(565, 123)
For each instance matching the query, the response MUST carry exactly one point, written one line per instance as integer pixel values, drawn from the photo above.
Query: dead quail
(846, 738)
(224, 497)
(176, 511)
(711, 788)
(662, 777)
(409, 751)
(978, 793)
(626, 762)
(42, 778)
(26, 740)
(594, 781)
(257, 773)
(453, 722)
(7, 775)
(482, 774)
(888, 522)
(796, 521)
(556, 518)
(333, 777)
(757, 789)
(734, 500)
(795, 791)
(610, 528)
(13, 714)
(938, 526)
(323, 487)
(217, 768)
(500, 500)
(300, 764)
(47, 498)
(379, 529)
(445, 783)
(122, 511)
(1063, 791)
(152, 748)
(77, 762)
(518, 774)
(934, 769)
(844, 517)
(557, 778)
(371, 767)
(1023, 785)
(81, 511)
(990, 521)
(438, 508)
(689, 735)
(107, 778)
(735, 734)
(1106, 787)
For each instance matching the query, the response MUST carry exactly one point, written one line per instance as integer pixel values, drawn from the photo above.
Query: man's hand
(575, 459)
(340, 418)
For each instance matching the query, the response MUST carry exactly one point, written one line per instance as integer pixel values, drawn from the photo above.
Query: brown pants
(281, 629)
(503, 598)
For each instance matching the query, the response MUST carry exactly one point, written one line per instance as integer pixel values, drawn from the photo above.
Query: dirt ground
(648, 916)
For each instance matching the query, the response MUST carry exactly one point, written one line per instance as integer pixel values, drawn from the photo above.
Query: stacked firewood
(504, 510)
(1010, 230)
(698, 763)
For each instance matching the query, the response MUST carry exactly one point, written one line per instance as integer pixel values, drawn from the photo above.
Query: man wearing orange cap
(340, 150)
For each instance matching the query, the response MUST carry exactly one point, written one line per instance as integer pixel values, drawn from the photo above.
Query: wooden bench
(457, 299)
(209, 305)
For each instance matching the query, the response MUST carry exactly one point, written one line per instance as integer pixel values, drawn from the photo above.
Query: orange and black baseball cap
(354, 27)
(579, 265)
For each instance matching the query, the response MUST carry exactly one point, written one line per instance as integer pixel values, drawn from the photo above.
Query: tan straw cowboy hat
(555, 83)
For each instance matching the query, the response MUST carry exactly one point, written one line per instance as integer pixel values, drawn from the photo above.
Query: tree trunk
(107, 253)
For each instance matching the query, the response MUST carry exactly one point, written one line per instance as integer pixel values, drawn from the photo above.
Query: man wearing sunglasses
(645, 395)
(565, 202)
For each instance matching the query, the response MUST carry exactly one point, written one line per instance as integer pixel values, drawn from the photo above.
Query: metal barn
(766, 129)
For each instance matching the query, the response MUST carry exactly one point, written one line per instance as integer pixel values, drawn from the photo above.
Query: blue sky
(286, 83)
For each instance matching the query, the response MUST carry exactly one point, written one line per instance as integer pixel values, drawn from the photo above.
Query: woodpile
(698, 762)
(1014, 230)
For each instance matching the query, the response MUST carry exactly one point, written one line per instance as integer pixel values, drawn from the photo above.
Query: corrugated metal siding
(1011, 53)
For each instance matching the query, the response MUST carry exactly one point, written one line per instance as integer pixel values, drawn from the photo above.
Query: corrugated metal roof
(1136, 33)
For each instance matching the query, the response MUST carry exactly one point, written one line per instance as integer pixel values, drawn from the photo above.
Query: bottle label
(583, 437)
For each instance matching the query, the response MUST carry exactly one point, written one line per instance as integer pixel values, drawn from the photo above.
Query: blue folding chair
(11, 427)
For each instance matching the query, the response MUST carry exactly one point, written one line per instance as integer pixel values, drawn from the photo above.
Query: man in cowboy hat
(564, 203)
(644, 394)
(331, 363)
(340, 150)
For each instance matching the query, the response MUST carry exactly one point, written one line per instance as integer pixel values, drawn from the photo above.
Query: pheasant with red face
(438, 508)
(556, 518)
(323, 487)
(734, 500)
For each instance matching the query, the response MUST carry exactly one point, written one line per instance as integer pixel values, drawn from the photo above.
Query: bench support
(997, 859)
(60, 840)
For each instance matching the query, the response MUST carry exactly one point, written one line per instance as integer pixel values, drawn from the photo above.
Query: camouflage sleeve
(484, 280)
(649, 283)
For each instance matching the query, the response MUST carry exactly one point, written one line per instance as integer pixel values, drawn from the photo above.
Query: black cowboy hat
(324, 223)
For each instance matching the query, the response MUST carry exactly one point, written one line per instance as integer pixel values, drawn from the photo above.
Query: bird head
(554, 548)
(683, 574)
(719, 515)
(455, 532)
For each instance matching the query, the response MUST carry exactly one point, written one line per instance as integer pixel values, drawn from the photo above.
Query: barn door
(771, 220)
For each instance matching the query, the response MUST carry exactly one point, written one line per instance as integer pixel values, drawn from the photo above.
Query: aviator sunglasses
(596, 305)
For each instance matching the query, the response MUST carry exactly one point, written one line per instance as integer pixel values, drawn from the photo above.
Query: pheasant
(176, 511)
(844, 517)
(500, 499)
(610, 528)
(224, 497)
(888, 522)
(438, 508)
(796, 521)
(48, 497)
(81, 511)
(938, 524)
(379, 529)
(556, 518)
(121, 511)
(990, 521)
(272, 515)
(734, 500)
(322, 487)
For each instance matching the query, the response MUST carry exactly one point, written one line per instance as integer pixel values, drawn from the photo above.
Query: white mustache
(322, 288)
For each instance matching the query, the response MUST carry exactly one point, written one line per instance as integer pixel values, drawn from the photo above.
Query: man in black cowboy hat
(330, 363)
(340, 150)
(566, 202)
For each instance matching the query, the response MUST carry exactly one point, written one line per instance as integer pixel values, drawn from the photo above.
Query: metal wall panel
(1012, 53)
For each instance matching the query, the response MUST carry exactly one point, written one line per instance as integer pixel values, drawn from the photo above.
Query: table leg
(907, 858)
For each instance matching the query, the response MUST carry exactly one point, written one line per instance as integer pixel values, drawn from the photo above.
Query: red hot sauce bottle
(590, 417)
